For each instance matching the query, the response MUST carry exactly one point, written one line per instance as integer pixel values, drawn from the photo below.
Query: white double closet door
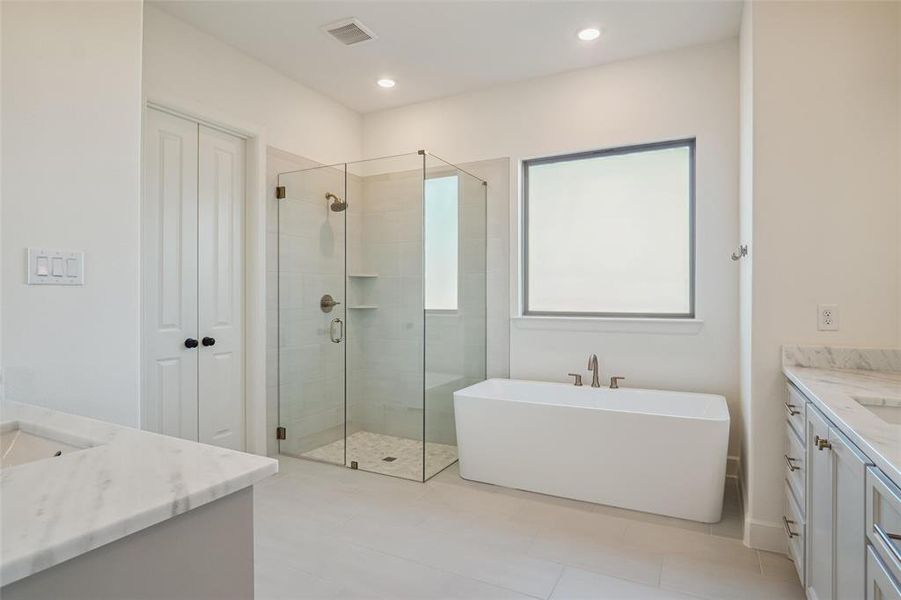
(193, 281)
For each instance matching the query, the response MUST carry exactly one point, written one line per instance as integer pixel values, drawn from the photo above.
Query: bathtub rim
(726, 418)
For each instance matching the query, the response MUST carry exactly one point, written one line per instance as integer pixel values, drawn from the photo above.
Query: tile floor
(370, 449)
(327, 532)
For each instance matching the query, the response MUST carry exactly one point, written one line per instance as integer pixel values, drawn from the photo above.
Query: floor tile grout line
(556, 583)
(527, 543)
(632, 581)
(625, 519)
(449, 571)
(421, 564)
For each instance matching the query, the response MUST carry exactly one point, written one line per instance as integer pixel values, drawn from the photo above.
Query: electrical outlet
(827, 317)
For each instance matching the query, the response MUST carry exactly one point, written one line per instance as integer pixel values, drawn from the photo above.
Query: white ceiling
(440, 48)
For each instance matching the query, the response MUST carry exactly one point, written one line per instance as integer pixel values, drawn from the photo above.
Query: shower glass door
(312, 323)
(385, 411)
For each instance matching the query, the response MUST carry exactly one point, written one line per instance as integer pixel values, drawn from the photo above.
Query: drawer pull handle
(888, 539)
(791, 463)
(792, 409)
(821, 443)
(787, 523)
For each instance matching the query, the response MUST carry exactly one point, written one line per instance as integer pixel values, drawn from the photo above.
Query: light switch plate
(54, 267)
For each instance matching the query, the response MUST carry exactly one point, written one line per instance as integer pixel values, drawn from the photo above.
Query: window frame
(690, 144)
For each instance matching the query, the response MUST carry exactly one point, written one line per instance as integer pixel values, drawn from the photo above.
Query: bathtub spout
(593, 367)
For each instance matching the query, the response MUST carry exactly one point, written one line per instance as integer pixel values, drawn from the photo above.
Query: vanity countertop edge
(55, 509)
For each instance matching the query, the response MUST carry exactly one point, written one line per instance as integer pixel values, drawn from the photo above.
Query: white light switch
(55, 267)
(57, 262)
(43, 266)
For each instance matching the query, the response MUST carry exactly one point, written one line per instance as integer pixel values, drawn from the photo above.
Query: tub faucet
(593, 367)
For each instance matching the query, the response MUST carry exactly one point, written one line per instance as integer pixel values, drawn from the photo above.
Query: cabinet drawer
(795, 529)
(795, 463)
(795, 405)
(884, 519)
(880, 583)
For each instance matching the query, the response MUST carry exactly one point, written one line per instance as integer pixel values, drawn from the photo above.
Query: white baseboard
(765, 535)
(760, 535)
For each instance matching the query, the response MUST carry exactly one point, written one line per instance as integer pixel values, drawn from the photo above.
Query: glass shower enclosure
(381, 311)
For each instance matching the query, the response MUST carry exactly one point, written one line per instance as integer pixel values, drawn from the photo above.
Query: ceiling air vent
(349, 32)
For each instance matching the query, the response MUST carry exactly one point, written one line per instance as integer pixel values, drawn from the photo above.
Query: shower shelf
(362, 275)
(363, 307)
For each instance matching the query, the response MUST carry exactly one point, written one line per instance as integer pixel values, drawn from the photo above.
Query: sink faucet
(593, 367)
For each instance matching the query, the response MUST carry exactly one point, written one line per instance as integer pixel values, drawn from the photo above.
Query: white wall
(685, 93)
(197, 72)
(825, 204)
(71, 124)
(71, 120)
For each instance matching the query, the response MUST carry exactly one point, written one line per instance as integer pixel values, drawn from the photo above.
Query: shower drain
(390, 458)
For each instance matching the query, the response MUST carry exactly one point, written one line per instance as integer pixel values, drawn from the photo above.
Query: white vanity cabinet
(836, 543)
(883, 532)
(827, 538)
(843, 524)
(794, 518)
(819, 510)
(880, 584)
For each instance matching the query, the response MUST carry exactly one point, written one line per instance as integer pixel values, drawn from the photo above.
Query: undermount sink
(886, 409)
(20, 443)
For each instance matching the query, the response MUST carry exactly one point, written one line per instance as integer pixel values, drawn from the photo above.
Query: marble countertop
(56, 509)
(833, 391)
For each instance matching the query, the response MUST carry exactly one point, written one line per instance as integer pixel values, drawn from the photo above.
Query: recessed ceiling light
(589, 33)
(386, 83)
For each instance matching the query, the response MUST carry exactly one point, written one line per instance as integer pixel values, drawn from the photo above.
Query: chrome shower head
(337, 204)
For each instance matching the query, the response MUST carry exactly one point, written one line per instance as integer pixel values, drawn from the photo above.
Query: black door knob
(190, 343)
(208, 341)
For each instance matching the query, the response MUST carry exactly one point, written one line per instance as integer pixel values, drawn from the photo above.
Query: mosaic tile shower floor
(370, 450)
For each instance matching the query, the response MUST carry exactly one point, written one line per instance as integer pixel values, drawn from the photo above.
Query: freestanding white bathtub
(653, 451)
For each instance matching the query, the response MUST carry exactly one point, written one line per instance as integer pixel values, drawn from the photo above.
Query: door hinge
(280, 192)
(281, 433)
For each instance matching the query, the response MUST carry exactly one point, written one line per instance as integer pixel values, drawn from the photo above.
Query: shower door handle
(331, 330)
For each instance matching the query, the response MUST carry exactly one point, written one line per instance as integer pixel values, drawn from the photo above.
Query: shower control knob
(208, 341)
(190, 343)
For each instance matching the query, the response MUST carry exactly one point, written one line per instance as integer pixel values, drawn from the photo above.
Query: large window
(441, 242)
(610, 233)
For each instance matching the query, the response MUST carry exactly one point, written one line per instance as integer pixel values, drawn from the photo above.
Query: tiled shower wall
(385, 378)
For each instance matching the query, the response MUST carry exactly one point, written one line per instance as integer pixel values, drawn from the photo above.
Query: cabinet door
(819, 509)
(849, 469)
(879, 583)
(221, 288)
(169, 276)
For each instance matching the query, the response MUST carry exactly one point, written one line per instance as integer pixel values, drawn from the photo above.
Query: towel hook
(742, 252)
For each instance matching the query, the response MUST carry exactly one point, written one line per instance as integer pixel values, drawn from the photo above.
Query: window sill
(612, 324)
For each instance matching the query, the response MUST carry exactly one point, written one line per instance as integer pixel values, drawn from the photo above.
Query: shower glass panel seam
(425, 324)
